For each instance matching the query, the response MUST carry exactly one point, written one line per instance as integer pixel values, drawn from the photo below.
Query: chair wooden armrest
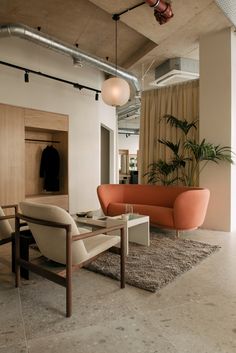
(15, 206)
(96, 232)
(9, 216)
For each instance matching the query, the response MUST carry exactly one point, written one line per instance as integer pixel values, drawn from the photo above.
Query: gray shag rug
(152, 268)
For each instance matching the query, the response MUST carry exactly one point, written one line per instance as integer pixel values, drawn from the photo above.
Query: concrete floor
(194, 314)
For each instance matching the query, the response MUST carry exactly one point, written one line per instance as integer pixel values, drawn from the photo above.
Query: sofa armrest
(109, 193)
(190, 209)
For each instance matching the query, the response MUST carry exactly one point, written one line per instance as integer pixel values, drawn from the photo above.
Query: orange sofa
(172, 207)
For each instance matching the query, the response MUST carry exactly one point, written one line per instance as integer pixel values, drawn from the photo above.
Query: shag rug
(152, 268)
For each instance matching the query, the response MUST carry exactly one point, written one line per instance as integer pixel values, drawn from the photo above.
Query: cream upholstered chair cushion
(5, 227)
(52, 241)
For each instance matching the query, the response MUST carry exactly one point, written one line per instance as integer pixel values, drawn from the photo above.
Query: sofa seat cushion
(162, 216)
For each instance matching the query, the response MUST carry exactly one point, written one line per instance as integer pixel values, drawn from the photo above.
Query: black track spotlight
(26, 76)
(76, 85)
(96, 96)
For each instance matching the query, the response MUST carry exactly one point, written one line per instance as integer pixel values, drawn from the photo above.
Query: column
(217, 124)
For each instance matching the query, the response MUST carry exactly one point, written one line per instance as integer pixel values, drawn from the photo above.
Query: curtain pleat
(181, 101)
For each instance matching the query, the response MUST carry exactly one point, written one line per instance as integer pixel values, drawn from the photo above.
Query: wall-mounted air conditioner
(175, 71)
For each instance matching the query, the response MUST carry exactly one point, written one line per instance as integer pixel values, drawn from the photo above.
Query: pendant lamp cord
(116, 18)
(116, 43)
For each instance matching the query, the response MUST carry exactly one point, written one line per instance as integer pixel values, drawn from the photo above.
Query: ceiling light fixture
(115, 90)
(77, 62)
(26, 76)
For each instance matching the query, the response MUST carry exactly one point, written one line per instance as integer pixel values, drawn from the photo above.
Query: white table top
(102, 221)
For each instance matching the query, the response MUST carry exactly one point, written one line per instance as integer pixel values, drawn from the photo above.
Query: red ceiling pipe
(162, 10)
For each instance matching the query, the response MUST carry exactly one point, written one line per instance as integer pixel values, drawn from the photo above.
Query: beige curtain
(181, 101)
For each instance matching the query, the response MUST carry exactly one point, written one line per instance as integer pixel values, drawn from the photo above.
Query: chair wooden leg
(122, 259)
(17, 253)
(68, 275)
(68, 300)
(13, 256)
(177, 234)
(25, 240)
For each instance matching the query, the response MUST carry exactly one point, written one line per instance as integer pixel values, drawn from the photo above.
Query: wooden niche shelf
(25, 134)
(53, 131)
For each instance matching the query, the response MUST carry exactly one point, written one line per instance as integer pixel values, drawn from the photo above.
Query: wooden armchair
(7, 235)
(6, 229)
(58, 239)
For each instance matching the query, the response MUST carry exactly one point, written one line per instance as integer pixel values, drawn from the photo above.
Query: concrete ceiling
(78, 21)
(179, 37)
(142, 43)
(141, 39)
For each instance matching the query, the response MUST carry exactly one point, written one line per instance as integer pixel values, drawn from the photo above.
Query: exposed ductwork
(32, 35)
(162, 10)
(128, 131)
(130, 110)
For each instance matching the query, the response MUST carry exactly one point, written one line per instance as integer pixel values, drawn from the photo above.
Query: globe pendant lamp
(115, 90)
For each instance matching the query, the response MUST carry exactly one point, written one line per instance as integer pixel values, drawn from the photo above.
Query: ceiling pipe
(32, 35)
(162, 10)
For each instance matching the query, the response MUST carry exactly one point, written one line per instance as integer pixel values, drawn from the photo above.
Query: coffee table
(136, 227)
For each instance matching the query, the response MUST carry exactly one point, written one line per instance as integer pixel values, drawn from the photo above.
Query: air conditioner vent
(175, 71)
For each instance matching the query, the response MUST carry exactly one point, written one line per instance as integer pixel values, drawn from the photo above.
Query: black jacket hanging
(49, 168)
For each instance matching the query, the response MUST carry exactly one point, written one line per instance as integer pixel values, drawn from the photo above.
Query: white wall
(217, 115)
(130, 143)
(233, 129)
(85, 114)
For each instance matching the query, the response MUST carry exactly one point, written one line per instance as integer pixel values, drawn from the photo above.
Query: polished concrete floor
(194, 314)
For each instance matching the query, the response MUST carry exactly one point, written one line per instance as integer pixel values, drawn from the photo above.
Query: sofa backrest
(163, 196)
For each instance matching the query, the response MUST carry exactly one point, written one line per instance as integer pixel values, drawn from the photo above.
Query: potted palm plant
(188, 157)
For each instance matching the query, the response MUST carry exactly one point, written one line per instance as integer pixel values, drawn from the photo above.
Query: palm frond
(161, 171)
(174, 147)
(224, 153)
(179, 162)
(183, 125)
(206, 151)
(161, 167)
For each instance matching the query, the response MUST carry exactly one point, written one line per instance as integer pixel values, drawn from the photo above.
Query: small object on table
(81, 214)
(129, 209)
(125, 216)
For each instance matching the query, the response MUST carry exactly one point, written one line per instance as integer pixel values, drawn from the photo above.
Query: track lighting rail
(29, 71)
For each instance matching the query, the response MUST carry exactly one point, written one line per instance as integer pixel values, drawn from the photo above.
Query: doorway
(105, 155)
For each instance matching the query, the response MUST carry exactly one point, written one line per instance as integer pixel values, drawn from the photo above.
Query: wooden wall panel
(45, 120)
(20, 159)
(57, 200)
(12, 154)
